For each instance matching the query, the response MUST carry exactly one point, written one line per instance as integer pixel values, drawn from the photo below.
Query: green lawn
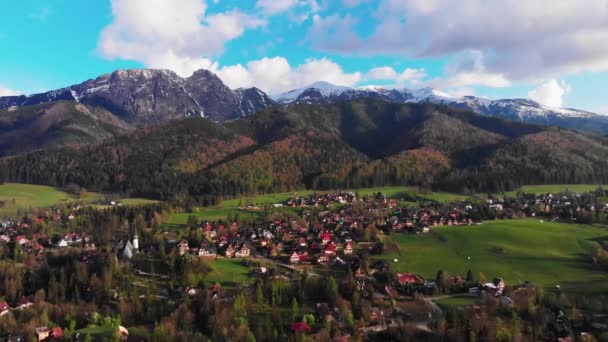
(129, 202)
(228, 272)
(34, 196)
(555, 188)
(544, 253)
(136, 201)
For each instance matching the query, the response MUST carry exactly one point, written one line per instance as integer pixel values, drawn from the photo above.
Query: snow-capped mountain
(514, 109)
(315, 90)
(149, 96)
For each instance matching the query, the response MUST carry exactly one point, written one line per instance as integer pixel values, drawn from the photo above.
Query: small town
(335, 234)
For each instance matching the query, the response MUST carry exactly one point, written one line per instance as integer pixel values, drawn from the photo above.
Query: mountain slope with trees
(345, 145)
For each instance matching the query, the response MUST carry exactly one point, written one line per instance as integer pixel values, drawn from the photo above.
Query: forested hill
(344, 145)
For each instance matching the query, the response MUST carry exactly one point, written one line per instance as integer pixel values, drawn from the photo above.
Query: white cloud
(551, 93)
(602, 110)
(460, 92)
(381, 73)
(176, 34)
(4, 91)
(522, 40)
(275, 6)
(276, 75)
(410, 75)
(469, 69)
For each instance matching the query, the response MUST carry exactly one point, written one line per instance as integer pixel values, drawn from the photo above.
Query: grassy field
(544, 253)
(412, 192)
(555, 188)
(228, 272)
(27, 196)
(227, 207)
(133, 202)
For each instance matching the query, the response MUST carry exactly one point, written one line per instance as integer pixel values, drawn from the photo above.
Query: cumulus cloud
(551, 93)
(460, 92)
(409, 76)
(4, 91)
(275, 75)
(381, 73)
(176, 35)
(522, 40)
(275, 6)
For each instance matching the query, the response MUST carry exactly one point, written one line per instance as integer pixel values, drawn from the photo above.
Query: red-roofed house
(300, 327)
(294, 258)
(4, 308)
(303, 256)
(330, 248)
(56, 334)
(348, 248)
(21, 240)
(23, 303)
(407, 278)
(325, 238)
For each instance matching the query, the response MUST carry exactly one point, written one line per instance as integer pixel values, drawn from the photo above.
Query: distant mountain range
(514, 109)
(149, 96)
(126, 100)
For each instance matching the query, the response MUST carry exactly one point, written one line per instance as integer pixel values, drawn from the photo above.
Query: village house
(47, 334)
(243, 252)
(323, 259)
(348, 248)
(325, 238)
(330, 248)
(183, 247)
(230, 251)
(408, 278)
(294, 258)
(496, 287)
(207, 251)
(24, 303)
(4, 308)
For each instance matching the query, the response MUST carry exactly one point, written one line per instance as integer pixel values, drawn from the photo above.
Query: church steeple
(135, 240)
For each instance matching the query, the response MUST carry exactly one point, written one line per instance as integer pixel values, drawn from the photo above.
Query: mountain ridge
(147, 97)
(150, 96)
(351, 144)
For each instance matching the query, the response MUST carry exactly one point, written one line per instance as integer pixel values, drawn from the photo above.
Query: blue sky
(494, 49)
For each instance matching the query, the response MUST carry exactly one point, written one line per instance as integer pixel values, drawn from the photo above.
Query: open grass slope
(545, 253)
(228, 272)
(27, 196)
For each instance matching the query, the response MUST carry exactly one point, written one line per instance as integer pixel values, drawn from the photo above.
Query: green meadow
(24, 196)
(228, 272)
(556, 188)
(545, 253)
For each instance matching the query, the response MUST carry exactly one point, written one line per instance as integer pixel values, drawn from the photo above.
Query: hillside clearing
(545, 253)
